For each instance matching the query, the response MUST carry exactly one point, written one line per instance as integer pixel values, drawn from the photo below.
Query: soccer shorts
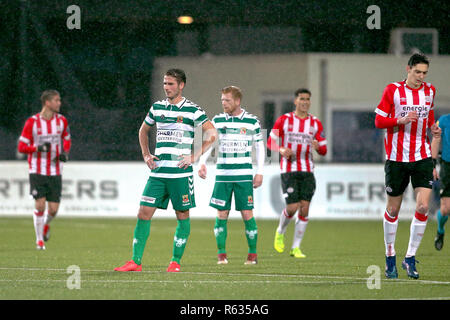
(223, 191)
(158, 192)
(398, 175)
(298, 186)
(444, 179)
(48, 187)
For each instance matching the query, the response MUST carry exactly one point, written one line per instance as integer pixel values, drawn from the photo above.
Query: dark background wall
(103, 70)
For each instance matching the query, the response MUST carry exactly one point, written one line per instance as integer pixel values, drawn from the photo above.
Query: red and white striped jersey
(38, 131)
(407, 143)
(298, 134)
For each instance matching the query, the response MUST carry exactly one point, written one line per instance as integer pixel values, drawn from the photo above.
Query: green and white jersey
(175, 125)
(236, 138)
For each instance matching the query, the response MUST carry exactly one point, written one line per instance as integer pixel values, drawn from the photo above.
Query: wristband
(434, 163)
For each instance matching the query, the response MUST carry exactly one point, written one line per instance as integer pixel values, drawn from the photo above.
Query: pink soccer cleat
(129, 266)
(173, 267)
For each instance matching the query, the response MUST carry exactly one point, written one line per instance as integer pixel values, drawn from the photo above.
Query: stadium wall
(113, 189)
(354, 79)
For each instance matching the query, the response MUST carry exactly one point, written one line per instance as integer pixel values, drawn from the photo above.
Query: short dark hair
(178, 74)
(417, 58)
(302, 90)
(48, 95)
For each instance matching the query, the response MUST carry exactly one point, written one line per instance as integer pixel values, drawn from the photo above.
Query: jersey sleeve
(150, 118)
(386, 105)
(26, 141)
(320, 137)
(275, 133)
(199, 117)
(257, 136)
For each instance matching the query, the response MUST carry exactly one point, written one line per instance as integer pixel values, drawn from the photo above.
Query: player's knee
(445, 209)
(393, 210)
(145, 213)
(422, 207)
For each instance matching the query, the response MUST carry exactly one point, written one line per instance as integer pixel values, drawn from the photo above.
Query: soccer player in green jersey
(171, 175)
(238, 131)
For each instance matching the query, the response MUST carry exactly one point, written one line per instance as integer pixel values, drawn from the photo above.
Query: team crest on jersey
(311, 130)
(162, 117)
(402, 100)
(250, 199)
(243, 130)
(179, 119)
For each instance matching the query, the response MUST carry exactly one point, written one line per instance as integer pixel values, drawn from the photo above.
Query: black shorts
(298, 186)
(444, 179)
(48, 187)
(398, 175)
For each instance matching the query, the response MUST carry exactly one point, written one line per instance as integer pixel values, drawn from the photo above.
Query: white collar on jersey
(179, 105)
(240, 116)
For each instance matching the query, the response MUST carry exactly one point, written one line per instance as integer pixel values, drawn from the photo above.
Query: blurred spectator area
(109, 72)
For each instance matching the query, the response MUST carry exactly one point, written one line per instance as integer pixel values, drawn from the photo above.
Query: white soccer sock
(390, 225)
(38, 219)
(48, 217)
(284, 222)
(300, 227)
(417, 229)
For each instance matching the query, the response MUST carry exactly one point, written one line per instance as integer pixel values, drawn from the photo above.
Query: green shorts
(223, 191)
(180, 191)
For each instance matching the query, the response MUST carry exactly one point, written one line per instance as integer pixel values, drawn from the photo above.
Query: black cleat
(439, 241)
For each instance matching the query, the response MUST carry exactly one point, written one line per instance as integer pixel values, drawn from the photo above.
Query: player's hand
(257, 181)
(202, 171)
(44, 147)
(315, 144)
(435, 174)
(185, 161)
(63, 157)
(149, 160)
(286, 152)
(410, 117)
(436, 131)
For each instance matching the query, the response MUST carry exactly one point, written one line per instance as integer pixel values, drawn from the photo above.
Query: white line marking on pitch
(408, 281)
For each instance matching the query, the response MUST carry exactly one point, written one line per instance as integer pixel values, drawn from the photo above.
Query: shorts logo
(185, 198)
(218, 202)
(250, 199)
(290, 190)
(34, 192)
(148, 199)
(388, 189)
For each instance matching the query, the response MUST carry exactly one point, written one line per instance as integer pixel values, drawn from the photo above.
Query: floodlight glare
(185, 20)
